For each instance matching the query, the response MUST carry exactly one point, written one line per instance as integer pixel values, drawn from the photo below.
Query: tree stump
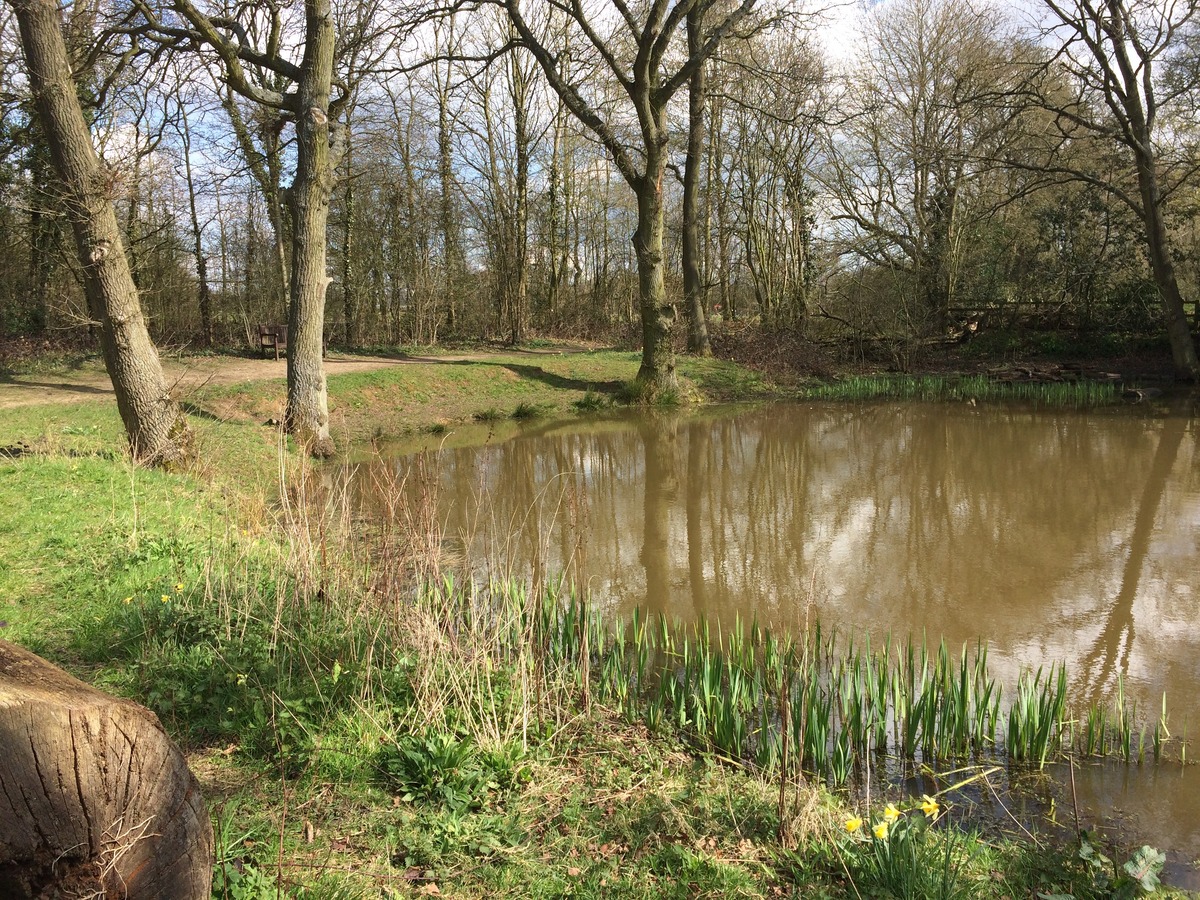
(95, 799)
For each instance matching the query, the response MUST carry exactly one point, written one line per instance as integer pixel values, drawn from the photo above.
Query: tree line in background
(377, 174)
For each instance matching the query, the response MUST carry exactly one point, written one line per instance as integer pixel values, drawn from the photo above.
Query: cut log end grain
(95, 799)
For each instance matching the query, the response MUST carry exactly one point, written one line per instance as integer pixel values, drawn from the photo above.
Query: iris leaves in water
(727, 691)
(1068, 394)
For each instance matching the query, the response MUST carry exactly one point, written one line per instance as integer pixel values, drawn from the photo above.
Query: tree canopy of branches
(637, 56)
(1114, 53)
(380, 174)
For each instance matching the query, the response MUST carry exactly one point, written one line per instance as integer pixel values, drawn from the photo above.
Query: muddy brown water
(1052, 535)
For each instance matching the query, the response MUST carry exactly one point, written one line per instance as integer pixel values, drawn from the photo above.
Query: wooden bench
(272, 337)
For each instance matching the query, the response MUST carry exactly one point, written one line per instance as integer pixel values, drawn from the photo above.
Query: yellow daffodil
(929, 806)
(166, 599)
(179, 588)
(852, 825)
(881, 830)
(890, 813)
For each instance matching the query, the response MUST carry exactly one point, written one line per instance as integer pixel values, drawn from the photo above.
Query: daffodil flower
(852, 825)
(881, 830)
(929, 806)
(890, 813)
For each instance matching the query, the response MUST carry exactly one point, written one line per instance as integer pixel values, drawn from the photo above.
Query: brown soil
(186, 374)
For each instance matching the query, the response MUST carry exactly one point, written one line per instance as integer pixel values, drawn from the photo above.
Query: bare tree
(772, 146)
(184, 128)
(694, 300)
(1112, 51)
(251, 47)
(926, 111)
(643, 56)
(158, 433)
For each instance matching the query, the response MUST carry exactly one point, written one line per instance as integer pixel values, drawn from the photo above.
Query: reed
(735, 692)
(957, 387)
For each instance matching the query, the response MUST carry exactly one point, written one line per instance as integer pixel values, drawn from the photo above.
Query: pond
(1051, 535)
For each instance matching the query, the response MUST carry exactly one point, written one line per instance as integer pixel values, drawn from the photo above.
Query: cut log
(95, 799)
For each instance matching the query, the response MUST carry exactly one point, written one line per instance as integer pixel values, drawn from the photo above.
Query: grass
(358, 737)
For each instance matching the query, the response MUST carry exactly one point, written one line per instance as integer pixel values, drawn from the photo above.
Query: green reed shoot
(726, 691)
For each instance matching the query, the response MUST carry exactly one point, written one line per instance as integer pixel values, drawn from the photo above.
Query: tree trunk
(307, 401)
(205, 296)
(452, 254)
(693, 283)
(95, 798)
(349, 284)
(520, 281)
(1183, 347)
(657, 371)
(43, 232)
(158, 433)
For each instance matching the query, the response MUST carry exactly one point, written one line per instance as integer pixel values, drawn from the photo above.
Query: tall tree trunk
(43, 233)
(451, 249)
(1183, 347)
(205, 296)
(276, 211)
(520, 274)
(307, 400)
(657, 371)
(158, 433)
(266, 168)
(693, 282)
(349, 284)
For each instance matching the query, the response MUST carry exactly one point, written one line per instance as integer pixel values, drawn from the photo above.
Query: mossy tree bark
(308, 402)
(158, 433)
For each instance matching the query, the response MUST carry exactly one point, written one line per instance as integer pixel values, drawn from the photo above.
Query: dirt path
(186, 374)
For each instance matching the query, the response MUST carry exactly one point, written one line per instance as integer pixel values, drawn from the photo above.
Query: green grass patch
(356, 736)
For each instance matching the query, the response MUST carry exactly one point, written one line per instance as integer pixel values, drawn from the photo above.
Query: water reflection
(1052, 535)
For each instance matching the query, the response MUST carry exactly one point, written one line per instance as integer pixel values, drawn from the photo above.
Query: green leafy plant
(899, 853)
(1136, 878)
(236, 875)
(453, 772)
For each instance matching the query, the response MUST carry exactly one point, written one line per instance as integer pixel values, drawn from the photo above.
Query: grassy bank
(357, 737)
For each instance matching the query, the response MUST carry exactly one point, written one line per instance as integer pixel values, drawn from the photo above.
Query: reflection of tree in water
(960, 521)
(660, 489)
(1109, 655)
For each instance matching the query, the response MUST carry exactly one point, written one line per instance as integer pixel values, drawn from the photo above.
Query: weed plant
(526, 412)
(590, 402)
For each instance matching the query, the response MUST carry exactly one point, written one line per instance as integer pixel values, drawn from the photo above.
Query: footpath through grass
(361, 737)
